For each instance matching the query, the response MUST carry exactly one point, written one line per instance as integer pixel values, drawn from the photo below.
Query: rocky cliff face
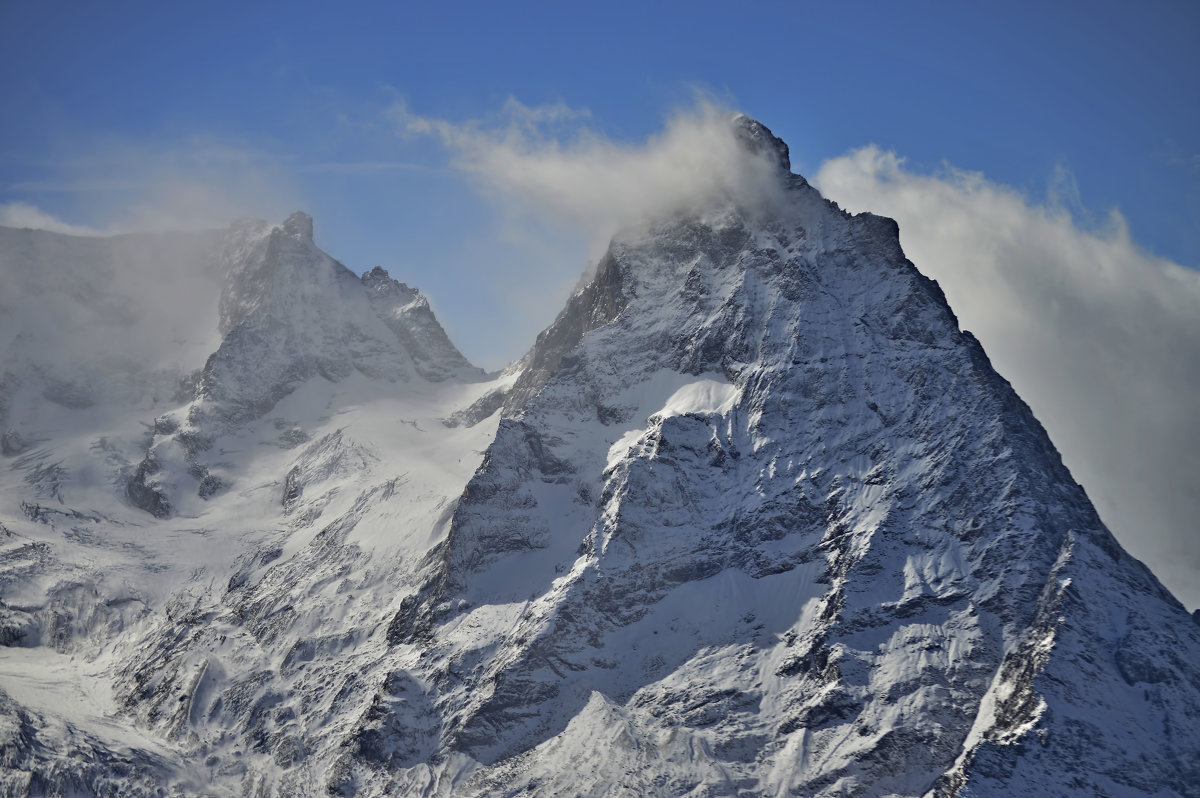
(754, 517)
(408, 315)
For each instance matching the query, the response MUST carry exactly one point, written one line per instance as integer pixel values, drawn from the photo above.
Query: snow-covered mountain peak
(757, 455)
(300, 225)
(290, 315)
(408, 314)
(276, 272)
(380, 285)
(702, 284)
(758, 138)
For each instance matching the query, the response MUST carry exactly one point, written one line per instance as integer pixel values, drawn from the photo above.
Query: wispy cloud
(21, 214)
(559, 189)
(548, 163)
(1100, 337)
(1175, 154)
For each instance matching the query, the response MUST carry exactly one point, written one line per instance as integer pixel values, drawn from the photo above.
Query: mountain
(753, 516)
(289, 313)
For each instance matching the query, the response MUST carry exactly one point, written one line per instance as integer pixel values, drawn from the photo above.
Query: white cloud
(107, 309)
(545, 163)
(129, 302)
(1101, 338)
(22, 214)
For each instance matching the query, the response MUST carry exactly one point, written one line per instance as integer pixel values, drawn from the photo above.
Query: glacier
(753, 516)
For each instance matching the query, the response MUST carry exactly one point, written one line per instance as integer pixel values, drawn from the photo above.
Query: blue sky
(1004, 138)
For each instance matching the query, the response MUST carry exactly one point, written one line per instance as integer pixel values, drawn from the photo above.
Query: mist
(546, 166)
(100, 310)
(556, 190)
(1100, 337)
(24, 215)
(133, 291)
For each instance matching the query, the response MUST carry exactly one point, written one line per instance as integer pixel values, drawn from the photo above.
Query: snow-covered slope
(762, 518)
(752, 517)
(315, 424)
(289, 313)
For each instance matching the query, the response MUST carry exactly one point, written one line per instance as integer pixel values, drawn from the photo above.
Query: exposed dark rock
(143, 495)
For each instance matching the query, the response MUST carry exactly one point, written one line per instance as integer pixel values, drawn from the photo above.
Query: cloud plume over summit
(547, 161)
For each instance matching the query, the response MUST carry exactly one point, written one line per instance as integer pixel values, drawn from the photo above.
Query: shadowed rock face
(408, 315)
(599, 303)
(757, 138)
(756, 518)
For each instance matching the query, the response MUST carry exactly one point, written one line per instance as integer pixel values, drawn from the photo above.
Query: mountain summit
(757, 138)
(753, 516)
(289, 314)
